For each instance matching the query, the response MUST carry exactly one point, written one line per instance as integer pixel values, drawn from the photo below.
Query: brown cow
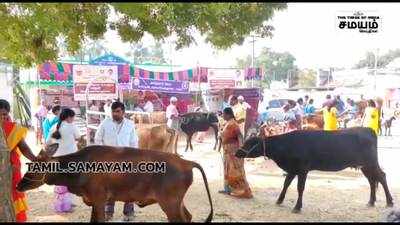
(167, 187)
(158, 138)
(313, 122)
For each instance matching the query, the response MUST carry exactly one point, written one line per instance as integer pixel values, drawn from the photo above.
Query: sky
(306, 30)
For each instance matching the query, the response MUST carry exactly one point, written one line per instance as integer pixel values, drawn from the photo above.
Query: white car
(273, 109)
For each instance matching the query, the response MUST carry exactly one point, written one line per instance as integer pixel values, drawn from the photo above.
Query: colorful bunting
(253, 73)
(63, 72)
(184, 75)
(58, 72)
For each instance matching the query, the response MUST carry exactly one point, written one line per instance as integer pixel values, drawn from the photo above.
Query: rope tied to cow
(254, 147)
(34, 180)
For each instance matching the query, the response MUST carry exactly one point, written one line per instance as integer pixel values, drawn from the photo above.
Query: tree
(383, 60)
(31, 31)
(276, 65)
(141, 55)
(7, 213)
(307, 78)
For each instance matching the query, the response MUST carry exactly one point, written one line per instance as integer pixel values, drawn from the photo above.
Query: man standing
(117, 131)
(299, 108)
(40, 116)
(306, 100)
(50, 121)
(327, 101)
(226, 102)
(240, 113)
(172, 114)
(148, 107)
(309, 109)
(340, 105)
(243, 103)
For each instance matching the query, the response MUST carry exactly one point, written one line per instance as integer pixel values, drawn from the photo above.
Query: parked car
(273, 109)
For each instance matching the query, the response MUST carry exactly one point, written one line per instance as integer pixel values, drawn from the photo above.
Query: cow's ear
(51, 149)
(41, 155)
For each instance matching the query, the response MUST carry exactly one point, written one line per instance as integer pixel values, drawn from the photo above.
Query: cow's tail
(210, 216)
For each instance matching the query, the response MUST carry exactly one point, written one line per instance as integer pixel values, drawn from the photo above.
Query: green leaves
(307, 78)
(141, 55)
(30, 30)
(276, 65)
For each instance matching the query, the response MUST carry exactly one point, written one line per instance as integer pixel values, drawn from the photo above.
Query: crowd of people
(335, 113)
(115, 130)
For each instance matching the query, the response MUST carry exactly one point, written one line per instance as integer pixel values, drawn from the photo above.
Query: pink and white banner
(103, 81)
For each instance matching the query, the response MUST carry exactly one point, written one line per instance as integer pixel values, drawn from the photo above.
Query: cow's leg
(190, 141)
(215, 127)
(372, 184)
(93, 215)
(187, 142)
(301, 182)
(288, 180)
(172, 208)
(188, 216)
(382, 179)
(98, 212)
(219, 145)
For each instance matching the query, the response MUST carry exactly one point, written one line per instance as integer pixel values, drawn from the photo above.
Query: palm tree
(21, 106)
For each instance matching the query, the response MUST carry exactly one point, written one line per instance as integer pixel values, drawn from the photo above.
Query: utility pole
(253, 54)
(252, 59)
(198, 81)
(376, 67)
(170, 52)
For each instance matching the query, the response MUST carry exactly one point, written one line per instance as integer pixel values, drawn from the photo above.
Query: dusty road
(340, 196)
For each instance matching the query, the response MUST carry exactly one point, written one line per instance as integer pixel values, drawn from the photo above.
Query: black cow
(190, 123)
(301, 151)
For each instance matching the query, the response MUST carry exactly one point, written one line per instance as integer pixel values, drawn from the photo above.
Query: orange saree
(14, 134)
(234, 174)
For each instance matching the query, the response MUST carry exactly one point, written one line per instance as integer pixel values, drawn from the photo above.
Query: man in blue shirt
(50, 121)
(310, 109)
(225, 103)
(340, 106)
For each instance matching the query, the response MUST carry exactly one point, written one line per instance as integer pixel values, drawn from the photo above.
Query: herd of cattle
(297, 153)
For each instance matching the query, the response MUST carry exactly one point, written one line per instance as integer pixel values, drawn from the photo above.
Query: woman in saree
(371, 116)
(235, 183)
(15, 136)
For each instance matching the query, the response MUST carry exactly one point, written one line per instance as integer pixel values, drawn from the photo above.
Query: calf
(299, 152)
(158, 138)
(388, 125)
(190, 123)
(167, 189)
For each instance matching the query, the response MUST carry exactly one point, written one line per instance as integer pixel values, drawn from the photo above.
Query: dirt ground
(328, 197)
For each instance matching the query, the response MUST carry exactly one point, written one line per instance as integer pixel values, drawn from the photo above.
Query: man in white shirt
(299, 108)
(172, 113)
(117, 131)
(148, 107)
(243, 103)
